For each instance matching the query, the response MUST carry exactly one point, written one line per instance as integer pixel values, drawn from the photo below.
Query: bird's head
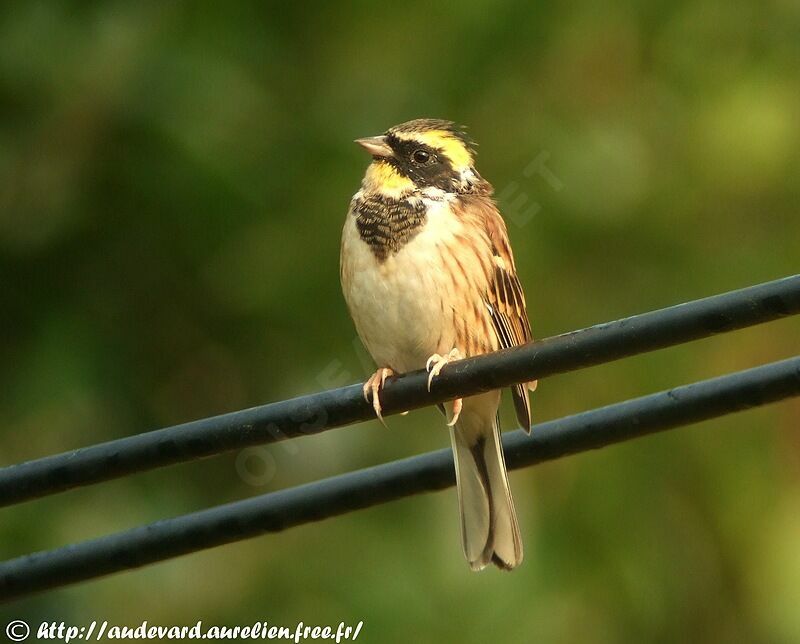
(418, 155)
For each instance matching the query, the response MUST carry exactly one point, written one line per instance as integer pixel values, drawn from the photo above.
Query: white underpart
(403, 307)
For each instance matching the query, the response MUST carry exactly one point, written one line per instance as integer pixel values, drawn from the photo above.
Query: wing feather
(504, 298)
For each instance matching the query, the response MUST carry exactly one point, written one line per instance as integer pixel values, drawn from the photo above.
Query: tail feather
(489, 528)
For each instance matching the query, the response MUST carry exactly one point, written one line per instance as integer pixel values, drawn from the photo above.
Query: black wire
(278, 511)
(316, 413)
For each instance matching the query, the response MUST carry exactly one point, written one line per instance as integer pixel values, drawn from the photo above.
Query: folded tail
(489, 528)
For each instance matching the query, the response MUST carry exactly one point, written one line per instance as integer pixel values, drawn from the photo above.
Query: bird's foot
(373, 387)
(434, 367)
(436, 362)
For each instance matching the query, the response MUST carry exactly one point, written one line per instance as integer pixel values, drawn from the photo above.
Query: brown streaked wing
(505, 297)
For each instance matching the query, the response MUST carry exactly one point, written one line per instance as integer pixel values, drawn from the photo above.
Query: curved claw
(434, 367)
(435, 363)
(458, 404)
(373, 387)
(433, 373)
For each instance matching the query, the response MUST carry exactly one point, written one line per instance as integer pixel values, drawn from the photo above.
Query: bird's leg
(373, 386)
(434, 367)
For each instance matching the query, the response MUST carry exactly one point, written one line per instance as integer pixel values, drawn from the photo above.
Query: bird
(429, 278)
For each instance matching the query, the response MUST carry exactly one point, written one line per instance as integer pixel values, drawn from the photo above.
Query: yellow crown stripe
(452, 146)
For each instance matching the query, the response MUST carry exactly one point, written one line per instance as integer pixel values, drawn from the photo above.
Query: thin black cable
(316, 413)
(278, 511)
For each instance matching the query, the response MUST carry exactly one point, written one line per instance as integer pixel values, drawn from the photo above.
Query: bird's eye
(421, 157)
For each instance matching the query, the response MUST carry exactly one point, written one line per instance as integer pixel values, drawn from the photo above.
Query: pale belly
(405, 308)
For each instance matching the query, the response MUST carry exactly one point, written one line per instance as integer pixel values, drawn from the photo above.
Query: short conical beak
(376, 146)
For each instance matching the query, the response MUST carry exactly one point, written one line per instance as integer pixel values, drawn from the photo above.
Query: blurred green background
(173, 182)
